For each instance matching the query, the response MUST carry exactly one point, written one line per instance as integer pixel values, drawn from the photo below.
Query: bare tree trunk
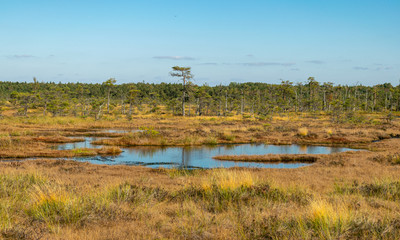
(26, 110)
(219, 107)
(198, 107)
(373, 108)
(242, 104)
(108, 102)
(226, 103)
(44, 109)
(386, 100)
(99, 112)
(86, 108)
(75, 110)
(183, 103)
(130, 109)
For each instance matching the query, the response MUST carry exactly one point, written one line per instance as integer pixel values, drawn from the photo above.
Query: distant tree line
(258, 99)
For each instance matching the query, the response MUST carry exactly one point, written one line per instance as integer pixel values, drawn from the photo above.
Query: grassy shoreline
(32, 137)
(272, 158)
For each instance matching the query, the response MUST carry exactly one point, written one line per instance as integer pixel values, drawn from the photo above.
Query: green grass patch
(84, 152)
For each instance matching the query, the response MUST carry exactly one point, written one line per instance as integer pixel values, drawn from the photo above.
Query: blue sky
(344, 42)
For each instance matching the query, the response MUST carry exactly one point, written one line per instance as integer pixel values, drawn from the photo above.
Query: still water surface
(198, 156)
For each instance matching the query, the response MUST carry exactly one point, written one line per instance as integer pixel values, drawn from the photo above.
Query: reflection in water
(303, 148)
(232, 146)
(144, 151)
(199, 156)
(183, 158)
(84, 144)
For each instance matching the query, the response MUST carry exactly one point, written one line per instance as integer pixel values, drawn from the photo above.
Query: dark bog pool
(199, 156)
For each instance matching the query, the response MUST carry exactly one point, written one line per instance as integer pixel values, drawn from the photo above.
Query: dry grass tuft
(303, 132)
(329, 132)
(229, 180)
(109, 150)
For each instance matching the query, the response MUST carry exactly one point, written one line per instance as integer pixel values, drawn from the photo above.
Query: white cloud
(263, 64)
(174, 57)
(360, 68)
(316, 61)
(21, 56)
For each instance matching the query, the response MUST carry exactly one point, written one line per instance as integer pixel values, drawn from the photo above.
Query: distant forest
(258, 99)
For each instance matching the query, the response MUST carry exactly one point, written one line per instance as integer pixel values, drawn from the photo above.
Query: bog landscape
(247, 161)
(200, 120)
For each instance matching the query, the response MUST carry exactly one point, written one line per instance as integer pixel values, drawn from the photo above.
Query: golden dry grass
(72, 200)
(353, 195)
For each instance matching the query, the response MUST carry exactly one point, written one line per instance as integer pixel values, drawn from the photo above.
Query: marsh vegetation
(343, 195)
